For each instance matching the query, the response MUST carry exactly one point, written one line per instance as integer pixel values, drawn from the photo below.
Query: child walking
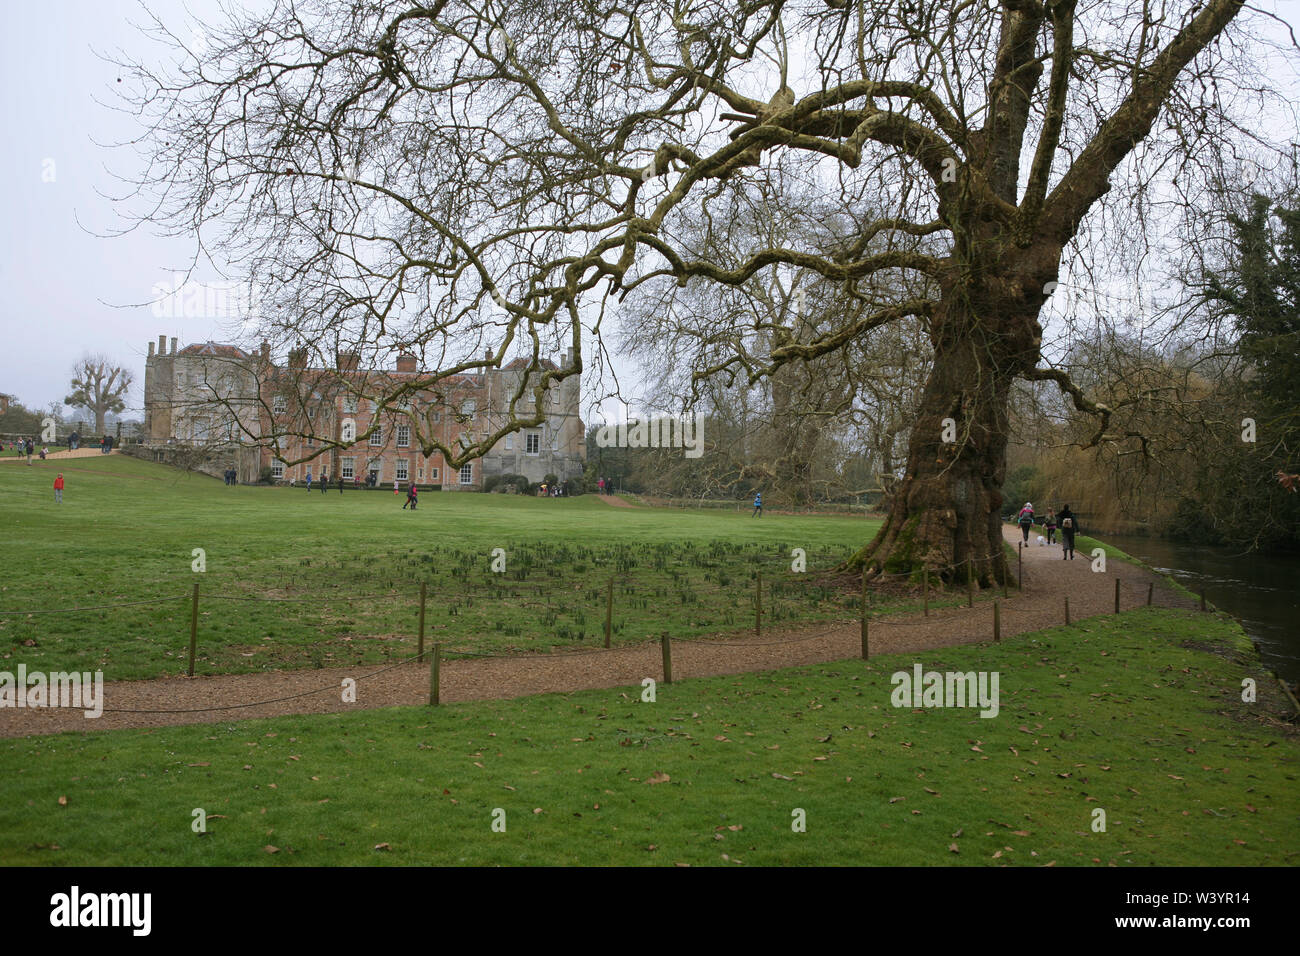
(58, 489)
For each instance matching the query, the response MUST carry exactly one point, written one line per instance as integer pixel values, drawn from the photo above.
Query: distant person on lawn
(309, 479)
(1069, 528)
(341, 482)
(58, 489)
(411, 497)
(758, 504)
(1026, 519)
(324, 481)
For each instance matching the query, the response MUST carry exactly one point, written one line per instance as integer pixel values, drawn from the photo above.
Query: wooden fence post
(970, 587)
(424, 587)
(1151, 586)
(1067, 610)
(435, 668)
(925, 590)
(194, 626)
(1202, 597)
(997, 621)
(864, 614)
(1117, 595)
(1020, 566)
(758, 606)
(668, 658)
(609, 611)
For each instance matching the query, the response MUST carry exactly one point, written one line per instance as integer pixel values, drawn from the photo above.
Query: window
(467, 475)
(279, 405)
(437, 417)
(349, 404)
(555, 439)
(533, 443)
(403, 436)
(510, 443)
(401, 469)
(433, 474)
(375, 469)
(419, 472)
(374, 407)
(377, 436)
(468, 407)
(347, 468)
(277, 469)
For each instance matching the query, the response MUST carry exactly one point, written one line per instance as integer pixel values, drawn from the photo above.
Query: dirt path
(54, 455)
(616, 501)
(1048, 579)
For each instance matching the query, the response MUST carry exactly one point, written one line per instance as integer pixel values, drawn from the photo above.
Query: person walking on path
(324, 481)
(27, 447)
(411, 498)
(1026, 519)
(58, 489)
(1049, 525)
(758, 504)
(600, 485)
(309, 479)
(1069, 528)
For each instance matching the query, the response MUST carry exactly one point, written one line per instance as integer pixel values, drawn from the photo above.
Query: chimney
(266, 350)
(347, 361)
(173, 345)
(162, 344)
(151, 348)
(406, 362)
(298, 358)
(487, 355)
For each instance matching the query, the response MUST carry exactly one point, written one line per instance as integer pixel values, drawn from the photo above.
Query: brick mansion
(228, 403)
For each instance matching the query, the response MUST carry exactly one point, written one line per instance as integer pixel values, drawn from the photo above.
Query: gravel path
(1048, 579)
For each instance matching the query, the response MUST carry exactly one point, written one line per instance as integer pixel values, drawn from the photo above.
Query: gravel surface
(178, 700)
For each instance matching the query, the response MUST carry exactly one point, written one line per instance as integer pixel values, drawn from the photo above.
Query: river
(1261, 591)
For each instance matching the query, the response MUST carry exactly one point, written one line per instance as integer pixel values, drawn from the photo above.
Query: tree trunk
(945, 514)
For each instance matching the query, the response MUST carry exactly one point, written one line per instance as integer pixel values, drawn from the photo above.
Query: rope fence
(869, 617)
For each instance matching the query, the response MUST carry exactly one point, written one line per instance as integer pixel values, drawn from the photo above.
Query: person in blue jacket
(758, 504)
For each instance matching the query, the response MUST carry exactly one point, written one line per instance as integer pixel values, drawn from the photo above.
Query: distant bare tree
(99, 387)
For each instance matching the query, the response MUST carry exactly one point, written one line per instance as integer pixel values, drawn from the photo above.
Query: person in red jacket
(58, 489)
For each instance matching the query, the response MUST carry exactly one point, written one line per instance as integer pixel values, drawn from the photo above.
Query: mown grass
(1130, 714)
(300, 579)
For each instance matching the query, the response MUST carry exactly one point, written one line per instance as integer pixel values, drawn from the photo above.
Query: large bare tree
(469, 181)
(100, 387)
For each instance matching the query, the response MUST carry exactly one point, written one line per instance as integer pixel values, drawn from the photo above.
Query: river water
(1263, 592)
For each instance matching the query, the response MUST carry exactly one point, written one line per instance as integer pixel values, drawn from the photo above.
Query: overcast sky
(65, 288)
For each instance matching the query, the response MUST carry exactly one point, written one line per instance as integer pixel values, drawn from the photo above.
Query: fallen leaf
(781, 776)
(63, 801)
(952, 848)
(271, 849)
(382, 846)
(200, 765)
(657, 777)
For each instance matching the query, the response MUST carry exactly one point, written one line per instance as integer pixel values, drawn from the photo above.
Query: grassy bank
(300, 579)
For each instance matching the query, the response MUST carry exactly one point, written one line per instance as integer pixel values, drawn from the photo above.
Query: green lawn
(1116, 714)
(344, 571)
